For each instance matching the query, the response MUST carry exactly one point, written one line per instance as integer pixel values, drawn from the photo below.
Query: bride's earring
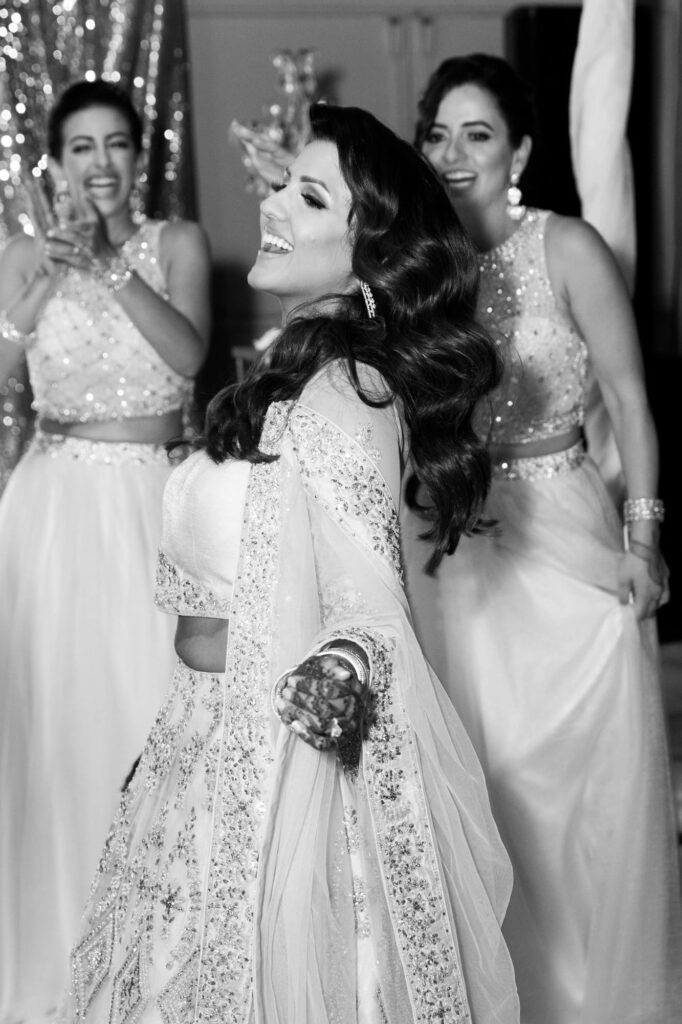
(370, 304)
(514, 208)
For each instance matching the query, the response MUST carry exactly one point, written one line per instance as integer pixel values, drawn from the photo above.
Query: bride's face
(306, 249)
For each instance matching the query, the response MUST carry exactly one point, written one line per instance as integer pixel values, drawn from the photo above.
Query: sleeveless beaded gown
(557, 684)
(84, 654)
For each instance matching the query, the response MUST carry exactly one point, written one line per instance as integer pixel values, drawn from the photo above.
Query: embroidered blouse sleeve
(349, 457)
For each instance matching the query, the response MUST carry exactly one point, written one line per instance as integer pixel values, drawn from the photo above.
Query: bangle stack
(636, 510)
(354, 662)
(8, 332)
(113, 273)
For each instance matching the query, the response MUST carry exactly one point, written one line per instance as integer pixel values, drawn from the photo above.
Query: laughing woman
(307, 837)
(112, 315)
(543, 630)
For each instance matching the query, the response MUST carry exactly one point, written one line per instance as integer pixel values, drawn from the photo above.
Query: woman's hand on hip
(643, 581)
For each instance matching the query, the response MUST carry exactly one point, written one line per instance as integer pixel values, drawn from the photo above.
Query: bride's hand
(321, 700)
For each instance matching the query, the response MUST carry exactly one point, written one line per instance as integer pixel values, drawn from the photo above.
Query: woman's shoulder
(336, 397)
(572, 238)
(185, 238)
(20, 251)
(571, 245)
(182, 232)
(335, 376)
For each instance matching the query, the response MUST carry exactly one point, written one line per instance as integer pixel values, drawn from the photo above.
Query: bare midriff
(547, 446)
(137, 429)
(201, 643)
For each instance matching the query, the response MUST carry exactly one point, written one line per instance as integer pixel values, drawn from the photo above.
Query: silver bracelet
(277, 687)
(8, 332)
(114, 273)
(636, 510)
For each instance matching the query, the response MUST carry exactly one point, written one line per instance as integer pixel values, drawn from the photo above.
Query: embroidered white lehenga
(250, 878)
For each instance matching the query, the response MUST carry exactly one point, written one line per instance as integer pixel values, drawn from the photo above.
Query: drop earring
(136, 204)
(514, 208)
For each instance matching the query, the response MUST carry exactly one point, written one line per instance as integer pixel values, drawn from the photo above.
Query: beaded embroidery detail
(108, 453)
(130, 990)
(178, 593)
(91, 961)
(88, 360)
(226, 959)
(427, 946)
(344, 480)
(543, 387)
(540, 467)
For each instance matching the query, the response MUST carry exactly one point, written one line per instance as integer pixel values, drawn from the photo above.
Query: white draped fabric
(599, 103)
(557, 685)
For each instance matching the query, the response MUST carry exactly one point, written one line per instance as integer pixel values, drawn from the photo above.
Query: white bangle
(360, 669)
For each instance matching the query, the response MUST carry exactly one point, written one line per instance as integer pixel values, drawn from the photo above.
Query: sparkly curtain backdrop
(44, 46)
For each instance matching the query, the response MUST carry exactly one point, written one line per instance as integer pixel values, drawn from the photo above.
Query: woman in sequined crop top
(542, 630)
(307, 837)
(111, 312)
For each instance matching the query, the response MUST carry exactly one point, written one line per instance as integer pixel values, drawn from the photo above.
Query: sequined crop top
(203, 510)
(545, 360)
(87, 360)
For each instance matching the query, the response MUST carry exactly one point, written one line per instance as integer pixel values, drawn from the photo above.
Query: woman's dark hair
(511, 94)
(80, 96)
(410, 247)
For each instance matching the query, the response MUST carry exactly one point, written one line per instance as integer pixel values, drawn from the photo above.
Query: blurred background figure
(112, 311)
(44, 47)
(104, 508)
(543, 631)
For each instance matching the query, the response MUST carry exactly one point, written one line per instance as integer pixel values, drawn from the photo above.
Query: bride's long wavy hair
(437, 362)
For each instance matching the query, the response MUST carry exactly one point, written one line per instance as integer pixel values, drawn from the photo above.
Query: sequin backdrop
(44, 46)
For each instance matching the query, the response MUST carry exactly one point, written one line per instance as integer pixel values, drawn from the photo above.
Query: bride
(308, 836)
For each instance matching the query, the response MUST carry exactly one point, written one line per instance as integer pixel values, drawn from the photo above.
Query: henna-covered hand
(321, 700)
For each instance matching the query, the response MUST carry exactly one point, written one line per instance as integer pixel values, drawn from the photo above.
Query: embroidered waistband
(540, 467)
(112, 453)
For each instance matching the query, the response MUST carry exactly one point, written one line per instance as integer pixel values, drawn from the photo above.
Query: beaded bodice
(88, 361)
(203, 511)
(545, 359)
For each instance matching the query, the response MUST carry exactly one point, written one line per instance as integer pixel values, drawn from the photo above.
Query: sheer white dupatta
(381, 878)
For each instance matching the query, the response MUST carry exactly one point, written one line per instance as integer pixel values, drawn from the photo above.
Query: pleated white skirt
(557, 685)
(85, 660)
